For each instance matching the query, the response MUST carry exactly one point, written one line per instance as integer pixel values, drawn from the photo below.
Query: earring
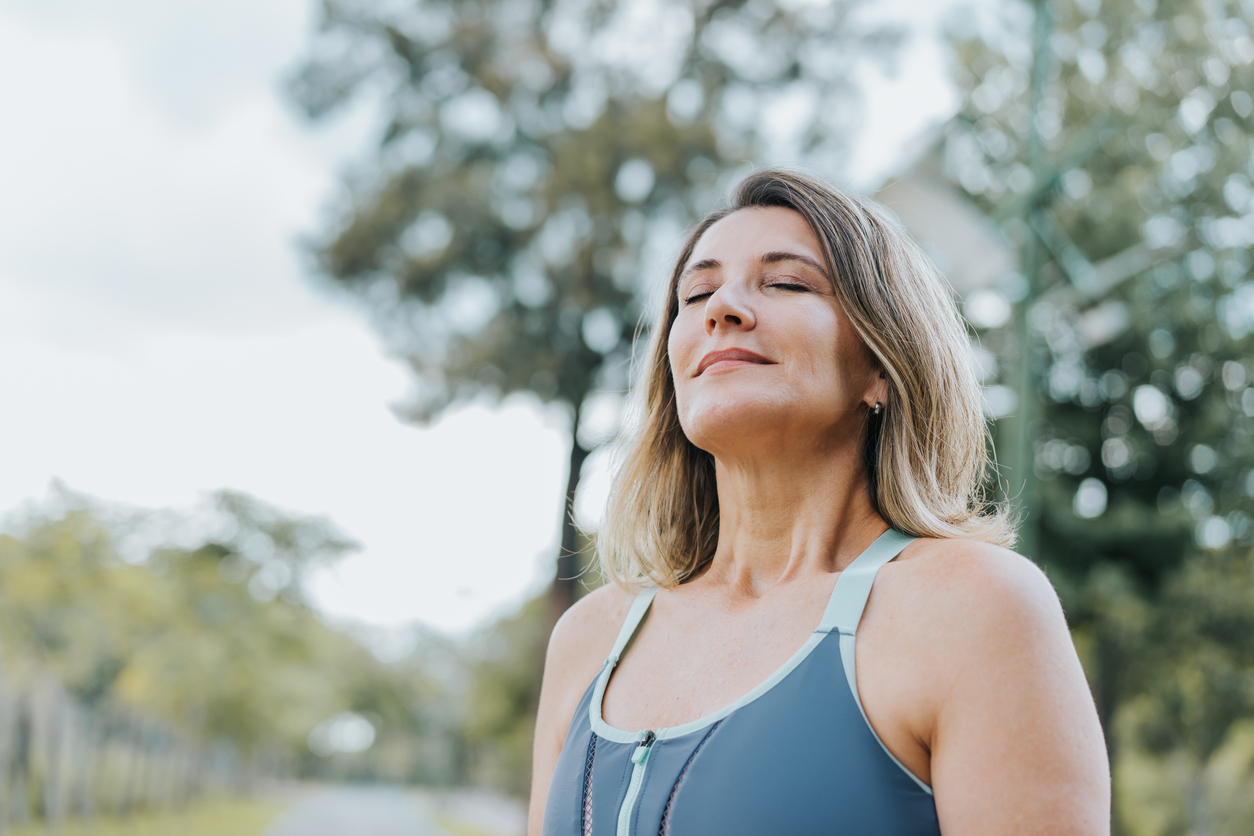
(877, 409)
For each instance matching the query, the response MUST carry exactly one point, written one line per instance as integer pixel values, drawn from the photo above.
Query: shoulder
(578, 646)
(968, 582)
(969, 611)
(981, 620)
(585, 633)
(971, 560)
(993, 650)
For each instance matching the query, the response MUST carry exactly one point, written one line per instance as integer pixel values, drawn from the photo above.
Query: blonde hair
(926, 454)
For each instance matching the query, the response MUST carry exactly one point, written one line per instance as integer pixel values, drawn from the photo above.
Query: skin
(965, 665)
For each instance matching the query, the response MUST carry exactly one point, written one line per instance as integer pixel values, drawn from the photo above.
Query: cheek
(683, 348)
(827, 356)
(680, 345)
(835, 371)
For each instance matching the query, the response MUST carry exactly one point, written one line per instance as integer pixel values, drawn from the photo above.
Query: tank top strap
(634, 616)
(853, 587)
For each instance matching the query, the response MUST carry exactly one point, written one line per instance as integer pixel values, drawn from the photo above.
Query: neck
(787, 517)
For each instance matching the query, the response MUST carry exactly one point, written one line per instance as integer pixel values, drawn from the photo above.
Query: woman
(811, 413)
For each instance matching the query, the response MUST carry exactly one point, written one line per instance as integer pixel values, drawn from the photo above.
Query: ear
(877, 391)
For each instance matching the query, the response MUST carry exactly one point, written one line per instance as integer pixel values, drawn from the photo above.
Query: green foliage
(1139, 342)
(1145, 122)
(1203, 657)
(532, 152)
(539, 154)
(187, 638)
(504, 695)
(504, 664)
(1173, 795)
(210, 638)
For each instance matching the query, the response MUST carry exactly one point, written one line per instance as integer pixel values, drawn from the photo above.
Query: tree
(204, 635)
(1113, 146)
(500, 723)
(536, 152)
(1196, 674)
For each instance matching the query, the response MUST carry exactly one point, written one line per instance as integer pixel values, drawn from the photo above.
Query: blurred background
(316, 320)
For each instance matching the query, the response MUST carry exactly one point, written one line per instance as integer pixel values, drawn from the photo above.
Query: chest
(692, 657)
(689, 661)
(798, 759)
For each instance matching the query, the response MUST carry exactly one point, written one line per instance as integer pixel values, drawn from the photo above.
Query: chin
(721, 423)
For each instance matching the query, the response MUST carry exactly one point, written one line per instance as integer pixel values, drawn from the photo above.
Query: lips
(740, 354)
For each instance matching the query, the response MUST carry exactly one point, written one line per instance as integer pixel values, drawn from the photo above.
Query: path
(357, 811)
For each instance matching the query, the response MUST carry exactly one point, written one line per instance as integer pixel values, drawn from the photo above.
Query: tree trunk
(1105, 699)
(562, 593)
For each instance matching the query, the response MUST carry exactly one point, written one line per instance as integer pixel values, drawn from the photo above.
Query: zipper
(640, 762)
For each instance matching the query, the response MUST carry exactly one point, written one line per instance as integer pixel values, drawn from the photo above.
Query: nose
(728, 308)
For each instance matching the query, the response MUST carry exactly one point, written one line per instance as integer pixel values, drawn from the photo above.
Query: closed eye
(789, 286)
(697, 297)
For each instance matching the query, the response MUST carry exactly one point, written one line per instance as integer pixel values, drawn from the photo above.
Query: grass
(220, 817)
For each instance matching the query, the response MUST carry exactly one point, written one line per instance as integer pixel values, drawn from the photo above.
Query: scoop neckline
(828, 623)
(605, 730)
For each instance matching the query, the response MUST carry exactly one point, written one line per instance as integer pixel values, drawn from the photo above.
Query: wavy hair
(926, 454)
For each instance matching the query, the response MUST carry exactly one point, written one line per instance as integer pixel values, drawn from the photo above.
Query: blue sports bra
(795, 756)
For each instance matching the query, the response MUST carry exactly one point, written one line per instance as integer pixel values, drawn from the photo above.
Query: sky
(162, 336)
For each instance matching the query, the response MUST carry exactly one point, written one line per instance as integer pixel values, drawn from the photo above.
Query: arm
(1016, 744)
(581, 640)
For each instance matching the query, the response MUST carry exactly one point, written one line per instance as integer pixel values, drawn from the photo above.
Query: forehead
(750, 232)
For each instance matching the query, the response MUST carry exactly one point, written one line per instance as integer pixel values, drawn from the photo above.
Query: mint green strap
(634, 615)
(853, 587)
(844, 611)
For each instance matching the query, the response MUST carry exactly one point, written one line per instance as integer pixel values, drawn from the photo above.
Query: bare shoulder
(579, 644)
(967, 561)
(991, 650)
(973, 676)
(964, 608)
(585, 633)
(581, 640)
(971, 584)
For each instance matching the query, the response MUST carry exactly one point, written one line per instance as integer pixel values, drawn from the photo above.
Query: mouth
(730, 358)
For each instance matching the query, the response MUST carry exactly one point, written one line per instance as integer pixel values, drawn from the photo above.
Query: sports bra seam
(585, 800)
(834, 629)
(673, 796)
(622, 786)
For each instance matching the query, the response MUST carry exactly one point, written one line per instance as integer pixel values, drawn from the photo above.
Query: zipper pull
(642, 751)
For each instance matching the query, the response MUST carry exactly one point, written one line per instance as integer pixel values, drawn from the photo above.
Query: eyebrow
(773, 257)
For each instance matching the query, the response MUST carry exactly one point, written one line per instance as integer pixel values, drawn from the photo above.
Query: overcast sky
(161, 338)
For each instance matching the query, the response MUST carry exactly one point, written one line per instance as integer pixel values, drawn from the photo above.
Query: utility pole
(1046, 241)
(1022, 462)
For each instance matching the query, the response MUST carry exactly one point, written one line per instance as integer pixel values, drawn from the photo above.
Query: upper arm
(580, 641)
(1016, 744)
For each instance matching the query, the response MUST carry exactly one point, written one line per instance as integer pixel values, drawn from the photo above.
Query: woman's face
(760, 350)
